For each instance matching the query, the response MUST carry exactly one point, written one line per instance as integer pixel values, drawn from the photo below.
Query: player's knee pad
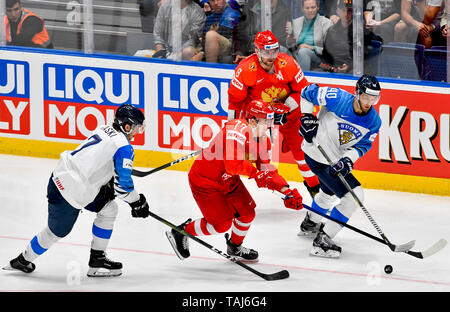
(324, 201)
(106, 217)
(247, 218)
(348, 205)
(223, 226)
(109, 211)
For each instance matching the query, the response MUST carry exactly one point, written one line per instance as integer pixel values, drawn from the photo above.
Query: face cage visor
(269, 51)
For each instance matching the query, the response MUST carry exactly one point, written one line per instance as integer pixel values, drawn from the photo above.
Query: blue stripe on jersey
(37, 248)
(123, 159)
(101, 233)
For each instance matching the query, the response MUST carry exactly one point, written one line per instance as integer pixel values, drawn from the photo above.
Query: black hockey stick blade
(276, 276)
(268, 277)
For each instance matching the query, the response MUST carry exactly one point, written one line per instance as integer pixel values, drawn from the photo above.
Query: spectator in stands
(250, 24)
(431, 34)
(192, 23)
(308, 34)
(337, 55)
(216, 42)
(381, 16)
(148, 10)
(328, 9)
(412, 13)
(24, 28)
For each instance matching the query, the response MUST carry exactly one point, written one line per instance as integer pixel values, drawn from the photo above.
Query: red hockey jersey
(232, 153)
(251, 81)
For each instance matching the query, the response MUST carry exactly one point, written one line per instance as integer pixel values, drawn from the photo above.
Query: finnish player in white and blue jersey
(345, 128)
(90, 177)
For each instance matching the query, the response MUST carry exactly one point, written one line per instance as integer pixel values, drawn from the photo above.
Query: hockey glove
(263, 178)
(280, 116)
(309, 127)
(344, 166)
(139, 209)
(293, 199)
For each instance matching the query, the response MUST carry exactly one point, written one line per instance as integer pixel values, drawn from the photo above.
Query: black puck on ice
(388, 269)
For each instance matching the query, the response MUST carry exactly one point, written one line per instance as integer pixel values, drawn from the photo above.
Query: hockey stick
(440, 244)
(395, 248)
(139, 173)
(268, 277)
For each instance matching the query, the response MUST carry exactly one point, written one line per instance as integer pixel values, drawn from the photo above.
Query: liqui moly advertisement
(14, 97)
(77, 99)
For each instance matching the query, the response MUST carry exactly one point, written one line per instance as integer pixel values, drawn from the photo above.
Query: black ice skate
(239, 252)
(101, 266)
(20, 264)
(323, 246)
(308, 227)
(179, 242)
(312, 190)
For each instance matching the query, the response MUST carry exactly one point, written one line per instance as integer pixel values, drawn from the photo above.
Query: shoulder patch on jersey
(373, 137)
(236, 136)
(252, 66)
(299, 76)
(127, 163)
(321, 96)
(347, 133)
(237, 83)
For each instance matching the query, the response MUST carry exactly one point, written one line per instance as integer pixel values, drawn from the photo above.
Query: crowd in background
(318, 33)
(321, 38)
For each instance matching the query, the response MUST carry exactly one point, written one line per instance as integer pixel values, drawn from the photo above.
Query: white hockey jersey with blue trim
(341, 131)
(81, 173)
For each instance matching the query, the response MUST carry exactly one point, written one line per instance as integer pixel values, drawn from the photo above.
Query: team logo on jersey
(348, 133)
(127, 163)
(281, 62)
(272, 94)
(252, 66)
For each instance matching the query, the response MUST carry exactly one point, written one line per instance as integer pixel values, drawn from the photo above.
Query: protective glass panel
(44, 24)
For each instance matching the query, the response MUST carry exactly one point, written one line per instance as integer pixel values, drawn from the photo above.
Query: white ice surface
(151, 265)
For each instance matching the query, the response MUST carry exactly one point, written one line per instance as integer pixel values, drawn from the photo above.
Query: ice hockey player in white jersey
(345, 128)
(90, 177)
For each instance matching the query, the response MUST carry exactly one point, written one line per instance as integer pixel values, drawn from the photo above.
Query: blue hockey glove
(344, 166)
(309, 127)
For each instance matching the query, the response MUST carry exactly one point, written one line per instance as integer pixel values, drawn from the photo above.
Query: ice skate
(101, 266)
(179, 242)
(241, 253)
(309, 228)
(20, 264)
(323, 246)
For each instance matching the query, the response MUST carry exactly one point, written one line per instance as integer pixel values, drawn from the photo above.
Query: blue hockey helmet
(128, 114)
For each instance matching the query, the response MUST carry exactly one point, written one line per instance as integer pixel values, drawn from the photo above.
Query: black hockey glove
(139, 209)
(344, 166)
(309, 127)
(279, 119)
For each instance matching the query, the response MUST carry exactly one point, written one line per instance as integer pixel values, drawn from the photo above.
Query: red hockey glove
(293, 199)
(263, 177)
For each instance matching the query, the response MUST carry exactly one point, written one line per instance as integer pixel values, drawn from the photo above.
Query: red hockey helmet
(266, 40)
(259, 109)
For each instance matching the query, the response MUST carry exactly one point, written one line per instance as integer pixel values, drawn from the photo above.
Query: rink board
(51, 100)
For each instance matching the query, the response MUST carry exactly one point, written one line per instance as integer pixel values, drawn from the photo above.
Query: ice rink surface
(150, 264)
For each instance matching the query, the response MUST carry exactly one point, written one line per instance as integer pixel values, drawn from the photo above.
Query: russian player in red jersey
(214, 179)
(277, 79)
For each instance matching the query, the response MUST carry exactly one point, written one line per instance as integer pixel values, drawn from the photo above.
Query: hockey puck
(388, 269)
